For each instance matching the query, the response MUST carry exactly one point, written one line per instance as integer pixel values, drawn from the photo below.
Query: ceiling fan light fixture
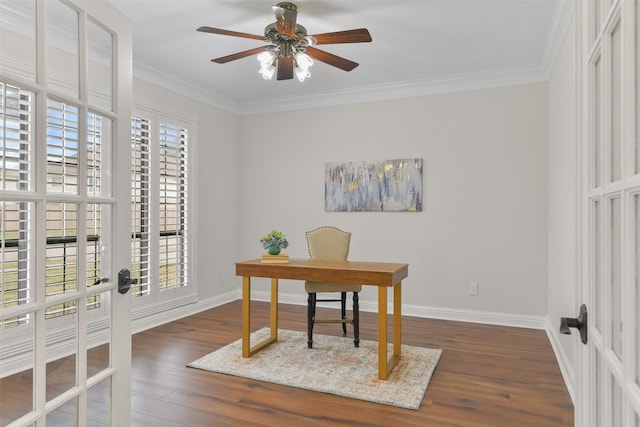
(267, 61)
(302, 64)
(301, 74)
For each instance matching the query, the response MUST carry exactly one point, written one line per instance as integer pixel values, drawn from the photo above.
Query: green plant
(274, 238)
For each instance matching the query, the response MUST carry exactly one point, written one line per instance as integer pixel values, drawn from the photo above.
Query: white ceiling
(419, 47)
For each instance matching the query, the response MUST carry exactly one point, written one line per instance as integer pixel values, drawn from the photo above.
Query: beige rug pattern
(333, 366)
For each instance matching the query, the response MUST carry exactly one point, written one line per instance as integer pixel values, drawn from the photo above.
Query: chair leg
(311, 315)
(356, 320)
(343, 301)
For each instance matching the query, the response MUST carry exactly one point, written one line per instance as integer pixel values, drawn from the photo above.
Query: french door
(608, 392)
(65, 109)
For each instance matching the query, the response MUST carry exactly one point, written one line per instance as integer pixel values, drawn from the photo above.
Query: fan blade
(331, 59)
(285, 68)
(230, 33)
(360, 35)
(238, 55)
(286, 15)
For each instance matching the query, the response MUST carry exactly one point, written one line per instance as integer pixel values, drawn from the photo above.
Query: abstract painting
(384, 185)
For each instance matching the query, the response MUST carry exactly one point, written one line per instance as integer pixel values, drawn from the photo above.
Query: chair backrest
(328, 243)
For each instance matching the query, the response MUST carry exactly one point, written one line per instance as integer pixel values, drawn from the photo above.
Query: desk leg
(397, 321)
(386, 365)
(247, 350)
(246, 315)
(382, 332)
(274, 309)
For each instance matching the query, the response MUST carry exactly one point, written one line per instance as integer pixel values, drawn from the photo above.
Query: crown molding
(409, 89)
(180, 84)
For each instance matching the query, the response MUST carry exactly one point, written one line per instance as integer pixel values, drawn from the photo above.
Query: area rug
(333, 366)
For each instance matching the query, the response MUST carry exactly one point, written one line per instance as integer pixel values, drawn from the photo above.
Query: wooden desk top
(321, 270)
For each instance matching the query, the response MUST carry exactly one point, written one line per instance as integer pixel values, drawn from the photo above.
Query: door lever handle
(125, 281)
(580, 323)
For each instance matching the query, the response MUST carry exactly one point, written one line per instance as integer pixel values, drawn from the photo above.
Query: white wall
(485, 192)
(561, 250)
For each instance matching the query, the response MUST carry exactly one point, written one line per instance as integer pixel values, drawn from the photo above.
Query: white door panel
(64, 213)
(607, 69)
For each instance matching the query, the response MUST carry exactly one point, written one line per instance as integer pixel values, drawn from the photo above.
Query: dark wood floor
(488, 376)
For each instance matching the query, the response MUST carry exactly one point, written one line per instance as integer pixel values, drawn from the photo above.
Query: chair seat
(315, 287)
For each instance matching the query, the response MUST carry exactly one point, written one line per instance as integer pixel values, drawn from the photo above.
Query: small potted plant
(274, 242)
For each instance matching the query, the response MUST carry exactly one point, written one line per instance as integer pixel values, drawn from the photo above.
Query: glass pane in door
(98, 343)
(63, 63)
(615, 160)
(65, 415)
(615, 280)
(16, 259)
(62, 147)
(595, 278)
(595, 113)
(16, 138)
(16, 385)
(100, 75)
(61, 256)
(99, 154)
(599, 392)
(18, 38)
(62, 359)
(98, 404)
(616, 404)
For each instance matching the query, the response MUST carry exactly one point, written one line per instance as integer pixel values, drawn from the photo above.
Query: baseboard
(566, 369)
(454, 314)
(158, 315)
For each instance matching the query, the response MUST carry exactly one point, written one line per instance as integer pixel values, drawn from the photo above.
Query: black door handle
(580, 323)
(125, 281)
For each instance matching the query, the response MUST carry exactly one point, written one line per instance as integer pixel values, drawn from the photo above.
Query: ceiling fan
(291, 51)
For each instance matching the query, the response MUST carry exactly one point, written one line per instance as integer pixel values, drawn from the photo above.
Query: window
(160, 206)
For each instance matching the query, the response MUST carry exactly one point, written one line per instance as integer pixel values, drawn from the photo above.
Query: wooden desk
(380, 274)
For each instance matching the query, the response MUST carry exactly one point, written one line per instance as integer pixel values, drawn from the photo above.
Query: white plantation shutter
(140, 202)
(173, 206)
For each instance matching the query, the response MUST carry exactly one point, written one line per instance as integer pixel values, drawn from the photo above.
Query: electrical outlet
(473, 288)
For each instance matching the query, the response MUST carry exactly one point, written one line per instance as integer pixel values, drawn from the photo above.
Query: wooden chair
(331, 243)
